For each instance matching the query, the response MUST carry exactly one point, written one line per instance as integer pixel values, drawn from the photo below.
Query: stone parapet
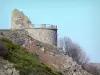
(45, 26)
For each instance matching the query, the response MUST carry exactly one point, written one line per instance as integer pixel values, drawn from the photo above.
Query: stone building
(44, 34)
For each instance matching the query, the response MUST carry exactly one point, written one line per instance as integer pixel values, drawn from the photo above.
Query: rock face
(68, 66)
(6, 68)
(23, 38)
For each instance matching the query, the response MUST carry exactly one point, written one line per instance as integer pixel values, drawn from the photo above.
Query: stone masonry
(44, 34)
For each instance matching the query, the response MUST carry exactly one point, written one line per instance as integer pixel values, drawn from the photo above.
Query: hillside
(26, 63)
(46, 53)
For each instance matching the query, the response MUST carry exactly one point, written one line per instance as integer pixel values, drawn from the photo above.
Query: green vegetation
(27, 63)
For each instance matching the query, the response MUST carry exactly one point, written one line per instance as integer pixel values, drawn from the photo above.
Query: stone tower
(20, 21)
(44, 34)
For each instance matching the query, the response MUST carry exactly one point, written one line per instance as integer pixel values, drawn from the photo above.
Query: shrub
(93, 69)
(3, 48)
(73, 50)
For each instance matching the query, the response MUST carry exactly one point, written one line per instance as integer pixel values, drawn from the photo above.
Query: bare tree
(64, 43)
(73, 50)
(60, 43)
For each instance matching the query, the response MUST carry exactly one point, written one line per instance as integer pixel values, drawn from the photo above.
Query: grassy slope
(24, 61)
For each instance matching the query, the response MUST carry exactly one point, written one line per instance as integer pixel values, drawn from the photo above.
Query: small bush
(93, 69)
(3, 48)
(73, 50)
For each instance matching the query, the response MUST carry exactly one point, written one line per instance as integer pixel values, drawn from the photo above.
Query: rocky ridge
(47, 53)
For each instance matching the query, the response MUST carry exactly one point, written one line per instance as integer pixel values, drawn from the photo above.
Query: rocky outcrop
(6, 68)
(68, 66)
(47, 53)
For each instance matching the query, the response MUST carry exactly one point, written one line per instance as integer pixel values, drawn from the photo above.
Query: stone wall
(44, 35)
(16, 36)
(22, 38)
(48, 36)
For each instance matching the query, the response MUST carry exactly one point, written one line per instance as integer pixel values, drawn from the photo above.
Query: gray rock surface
(69, 67)
(6, 68)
